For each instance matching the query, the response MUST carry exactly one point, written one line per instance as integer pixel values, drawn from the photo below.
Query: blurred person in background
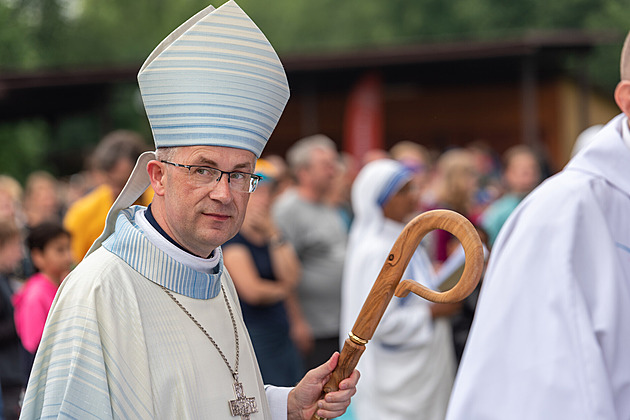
(372, 155)
(11, 351)
(318, 234)
(41, 201)
(75, 187)
(455, 186)
(339, 194)
(285, 178)
(265, 271)
(408, 371)
(11, 200)
(49, 247)
(521, 174)
(417, 158)
(112, 163)
(488, 166)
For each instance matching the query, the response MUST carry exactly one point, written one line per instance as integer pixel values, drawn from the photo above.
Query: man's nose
(221, 190)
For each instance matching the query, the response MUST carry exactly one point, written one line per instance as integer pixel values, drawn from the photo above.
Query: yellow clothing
(85, 219)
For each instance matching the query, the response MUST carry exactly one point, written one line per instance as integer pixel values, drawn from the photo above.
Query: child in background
(49, 244)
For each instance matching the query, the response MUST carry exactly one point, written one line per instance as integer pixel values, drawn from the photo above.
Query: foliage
(24, 146)
(302, 24)
(45, 33)
(80, 33)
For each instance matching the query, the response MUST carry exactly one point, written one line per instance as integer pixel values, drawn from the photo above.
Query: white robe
(116, 346)
(408, 366)
(551, 335)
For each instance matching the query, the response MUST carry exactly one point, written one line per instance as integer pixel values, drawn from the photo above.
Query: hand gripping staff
(387, 283)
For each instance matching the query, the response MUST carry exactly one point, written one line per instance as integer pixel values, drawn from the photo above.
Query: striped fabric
(214, 81)
(135, 249)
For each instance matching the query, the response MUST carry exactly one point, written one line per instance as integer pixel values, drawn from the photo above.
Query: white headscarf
(377, 182)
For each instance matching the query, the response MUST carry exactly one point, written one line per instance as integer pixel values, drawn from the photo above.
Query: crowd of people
(209, 272)
(288, 259)
(46, 227)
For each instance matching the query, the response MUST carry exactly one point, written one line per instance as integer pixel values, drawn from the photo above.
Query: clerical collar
(161, 239)
(149, 216)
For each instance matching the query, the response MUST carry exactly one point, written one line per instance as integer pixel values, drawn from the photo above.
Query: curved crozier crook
(466, 233)
(388, 282)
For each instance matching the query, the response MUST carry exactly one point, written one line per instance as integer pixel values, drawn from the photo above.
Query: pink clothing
(32, 303)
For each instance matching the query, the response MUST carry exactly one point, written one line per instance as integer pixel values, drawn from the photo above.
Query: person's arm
(284, 261)
(300, 330)
(251, 288)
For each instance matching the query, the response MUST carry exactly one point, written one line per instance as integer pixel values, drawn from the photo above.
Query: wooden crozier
(387, 282)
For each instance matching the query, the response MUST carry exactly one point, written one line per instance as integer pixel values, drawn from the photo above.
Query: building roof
(53, 93)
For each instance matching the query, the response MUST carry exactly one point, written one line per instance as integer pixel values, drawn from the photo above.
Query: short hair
(299, 154)
(625, 59)
(11, 187)
(8, 231)
(37, 177)
(42, 234)
(117, 145)
(165, 153)
(402, 151)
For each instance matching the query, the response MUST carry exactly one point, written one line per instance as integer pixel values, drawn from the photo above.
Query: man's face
(322, 170)
(201, 218)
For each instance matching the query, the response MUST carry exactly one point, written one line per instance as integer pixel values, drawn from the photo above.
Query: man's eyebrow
(245, 166)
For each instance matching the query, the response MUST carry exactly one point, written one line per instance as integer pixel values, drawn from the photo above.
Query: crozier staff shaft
(388, 282)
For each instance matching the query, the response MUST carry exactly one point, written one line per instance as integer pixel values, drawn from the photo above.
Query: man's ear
(156, 171)
(622, 96)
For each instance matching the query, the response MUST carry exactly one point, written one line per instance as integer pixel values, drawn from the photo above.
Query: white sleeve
(277, 398)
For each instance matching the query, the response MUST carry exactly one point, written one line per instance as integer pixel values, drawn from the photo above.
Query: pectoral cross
(242, 406)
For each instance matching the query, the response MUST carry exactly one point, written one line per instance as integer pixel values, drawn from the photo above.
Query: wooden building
(442, 95)
(501, 92)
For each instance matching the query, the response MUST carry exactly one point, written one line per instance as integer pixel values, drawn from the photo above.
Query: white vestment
(116, 346)
(408, 366)
(551, 334)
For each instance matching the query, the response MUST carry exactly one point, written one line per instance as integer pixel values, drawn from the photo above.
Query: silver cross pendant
(242, 406)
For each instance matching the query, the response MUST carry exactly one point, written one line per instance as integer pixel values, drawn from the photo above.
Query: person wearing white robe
(115, 345)
(551, 333)
(408, 366)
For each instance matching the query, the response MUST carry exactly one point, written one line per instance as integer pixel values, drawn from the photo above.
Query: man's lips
(217, 216)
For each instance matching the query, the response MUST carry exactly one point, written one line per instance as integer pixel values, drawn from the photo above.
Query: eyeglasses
(204, 176)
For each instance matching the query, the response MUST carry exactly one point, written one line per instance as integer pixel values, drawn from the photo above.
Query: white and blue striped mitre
(215, 81)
